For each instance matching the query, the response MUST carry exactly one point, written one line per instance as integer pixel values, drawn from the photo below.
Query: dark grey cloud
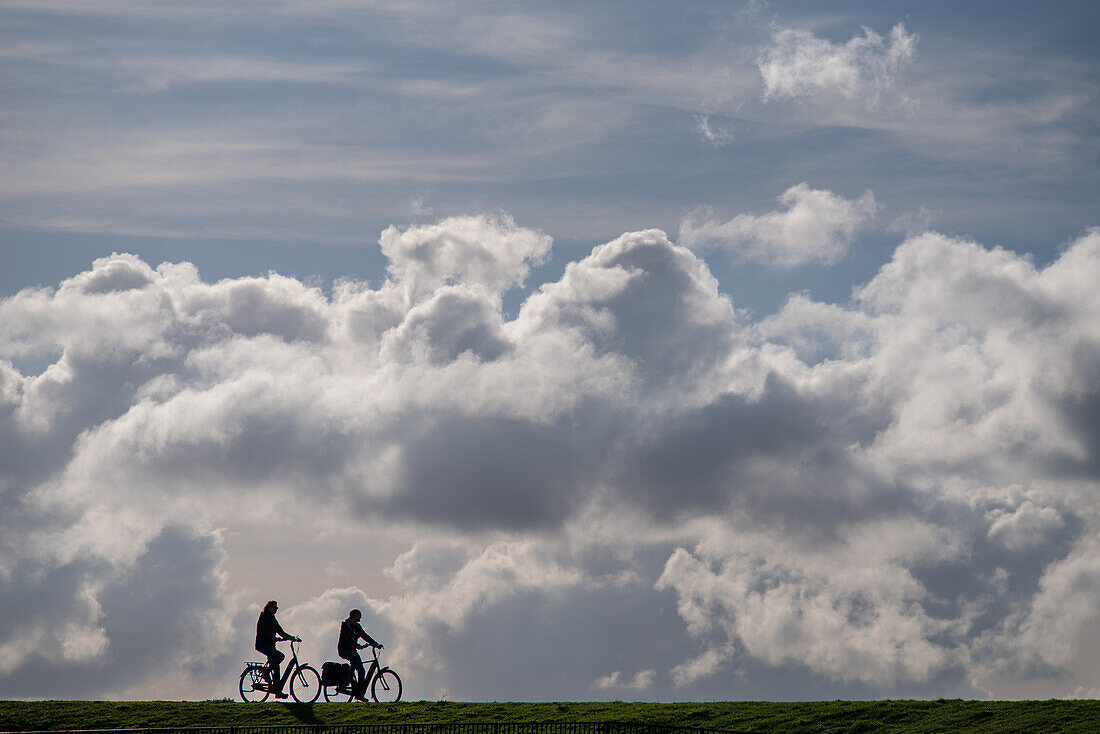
(705, 459)
(477, 472)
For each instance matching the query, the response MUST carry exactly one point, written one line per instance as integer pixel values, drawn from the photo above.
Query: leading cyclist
(268, 632)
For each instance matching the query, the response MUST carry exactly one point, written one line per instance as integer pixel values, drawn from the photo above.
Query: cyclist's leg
(358, 672)
(274, 657)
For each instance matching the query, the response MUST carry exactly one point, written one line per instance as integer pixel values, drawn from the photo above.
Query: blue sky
(288, 136)
(670, 350)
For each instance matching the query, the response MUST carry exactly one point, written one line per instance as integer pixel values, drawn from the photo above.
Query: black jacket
(350, 632)
(267, 627)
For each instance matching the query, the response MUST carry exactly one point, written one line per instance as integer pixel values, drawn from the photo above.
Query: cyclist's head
(355, 615)
(271, 606)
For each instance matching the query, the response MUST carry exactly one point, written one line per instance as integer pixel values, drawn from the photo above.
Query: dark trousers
(359, 673)
(274, 657)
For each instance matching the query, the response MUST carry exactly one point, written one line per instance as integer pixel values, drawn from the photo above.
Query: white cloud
(642, 680)
(1024, 527)
(704, 665)
(1053, 642)
(800, 64)
(818, 612)
(817, 227)
(480, 251)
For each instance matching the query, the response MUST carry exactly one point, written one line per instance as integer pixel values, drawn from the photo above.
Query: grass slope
(754, 716)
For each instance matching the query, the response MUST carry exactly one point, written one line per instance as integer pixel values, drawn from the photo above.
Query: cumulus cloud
(799, 64)
(817, 226)
(486, 251)
(626, 486)
(813, 611)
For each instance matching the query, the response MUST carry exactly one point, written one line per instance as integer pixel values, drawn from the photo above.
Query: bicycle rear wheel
(253, 685)
(305, 684)
(386, 686)
(336, 693)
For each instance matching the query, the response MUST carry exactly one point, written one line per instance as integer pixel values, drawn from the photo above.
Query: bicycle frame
(372, 669)
(292, 666)
(369, 672)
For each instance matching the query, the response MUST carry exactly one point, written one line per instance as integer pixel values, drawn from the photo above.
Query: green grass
(824, 716)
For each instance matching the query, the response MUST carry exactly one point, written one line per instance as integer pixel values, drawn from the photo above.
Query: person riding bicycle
(348, 648)
(268, 632)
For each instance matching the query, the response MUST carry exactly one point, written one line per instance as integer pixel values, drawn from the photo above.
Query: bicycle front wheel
(386, 687)
(253, 685)
(305, 684)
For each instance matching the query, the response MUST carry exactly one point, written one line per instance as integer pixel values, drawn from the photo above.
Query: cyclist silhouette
(268, 632)
(348, 647)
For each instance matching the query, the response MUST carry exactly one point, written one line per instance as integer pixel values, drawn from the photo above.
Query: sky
(596, 351)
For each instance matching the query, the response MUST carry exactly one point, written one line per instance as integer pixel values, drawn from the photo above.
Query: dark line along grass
(927, 717)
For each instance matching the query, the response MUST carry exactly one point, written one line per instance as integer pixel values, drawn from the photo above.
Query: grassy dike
(755, 716)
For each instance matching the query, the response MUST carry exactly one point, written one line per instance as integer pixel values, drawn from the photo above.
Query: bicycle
(384, 684)
(305, 681)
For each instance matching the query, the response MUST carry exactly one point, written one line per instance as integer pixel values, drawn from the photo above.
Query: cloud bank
(627, 488)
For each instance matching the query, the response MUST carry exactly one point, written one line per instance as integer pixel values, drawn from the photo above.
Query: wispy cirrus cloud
(715, 133)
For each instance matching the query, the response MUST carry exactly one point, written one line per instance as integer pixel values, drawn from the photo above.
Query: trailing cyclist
(268, 632)
(348, 648)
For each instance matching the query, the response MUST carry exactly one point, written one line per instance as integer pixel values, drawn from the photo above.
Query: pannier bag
(335, 674)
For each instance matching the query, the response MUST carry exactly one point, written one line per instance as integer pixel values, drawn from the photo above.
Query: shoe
(280, 694)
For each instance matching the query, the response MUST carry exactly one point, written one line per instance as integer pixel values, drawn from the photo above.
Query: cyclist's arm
(281, 631)
(367, 638)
